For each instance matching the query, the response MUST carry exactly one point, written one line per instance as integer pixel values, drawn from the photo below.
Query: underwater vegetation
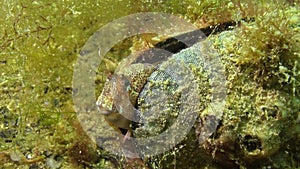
(39, 43)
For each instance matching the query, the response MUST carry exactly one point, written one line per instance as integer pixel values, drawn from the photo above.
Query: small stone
(16, 155)
(52, 163)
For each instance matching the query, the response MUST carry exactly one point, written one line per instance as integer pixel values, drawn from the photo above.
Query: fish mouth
(103, 111)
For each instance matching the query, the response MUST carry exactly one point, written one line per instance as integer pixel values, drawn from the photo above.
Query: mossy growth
(268, 49)
(39, 44)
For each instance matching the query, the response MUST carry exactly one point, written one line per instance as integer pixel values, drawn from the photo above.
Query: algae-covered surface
(39, 45)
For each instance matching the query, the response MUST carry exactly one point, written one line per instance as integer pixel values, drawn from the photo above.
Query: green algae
(40, 41)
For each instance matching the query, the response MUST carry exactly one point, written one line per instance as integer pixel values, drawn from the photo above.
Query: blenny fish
(121, 93)
(130, 79)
